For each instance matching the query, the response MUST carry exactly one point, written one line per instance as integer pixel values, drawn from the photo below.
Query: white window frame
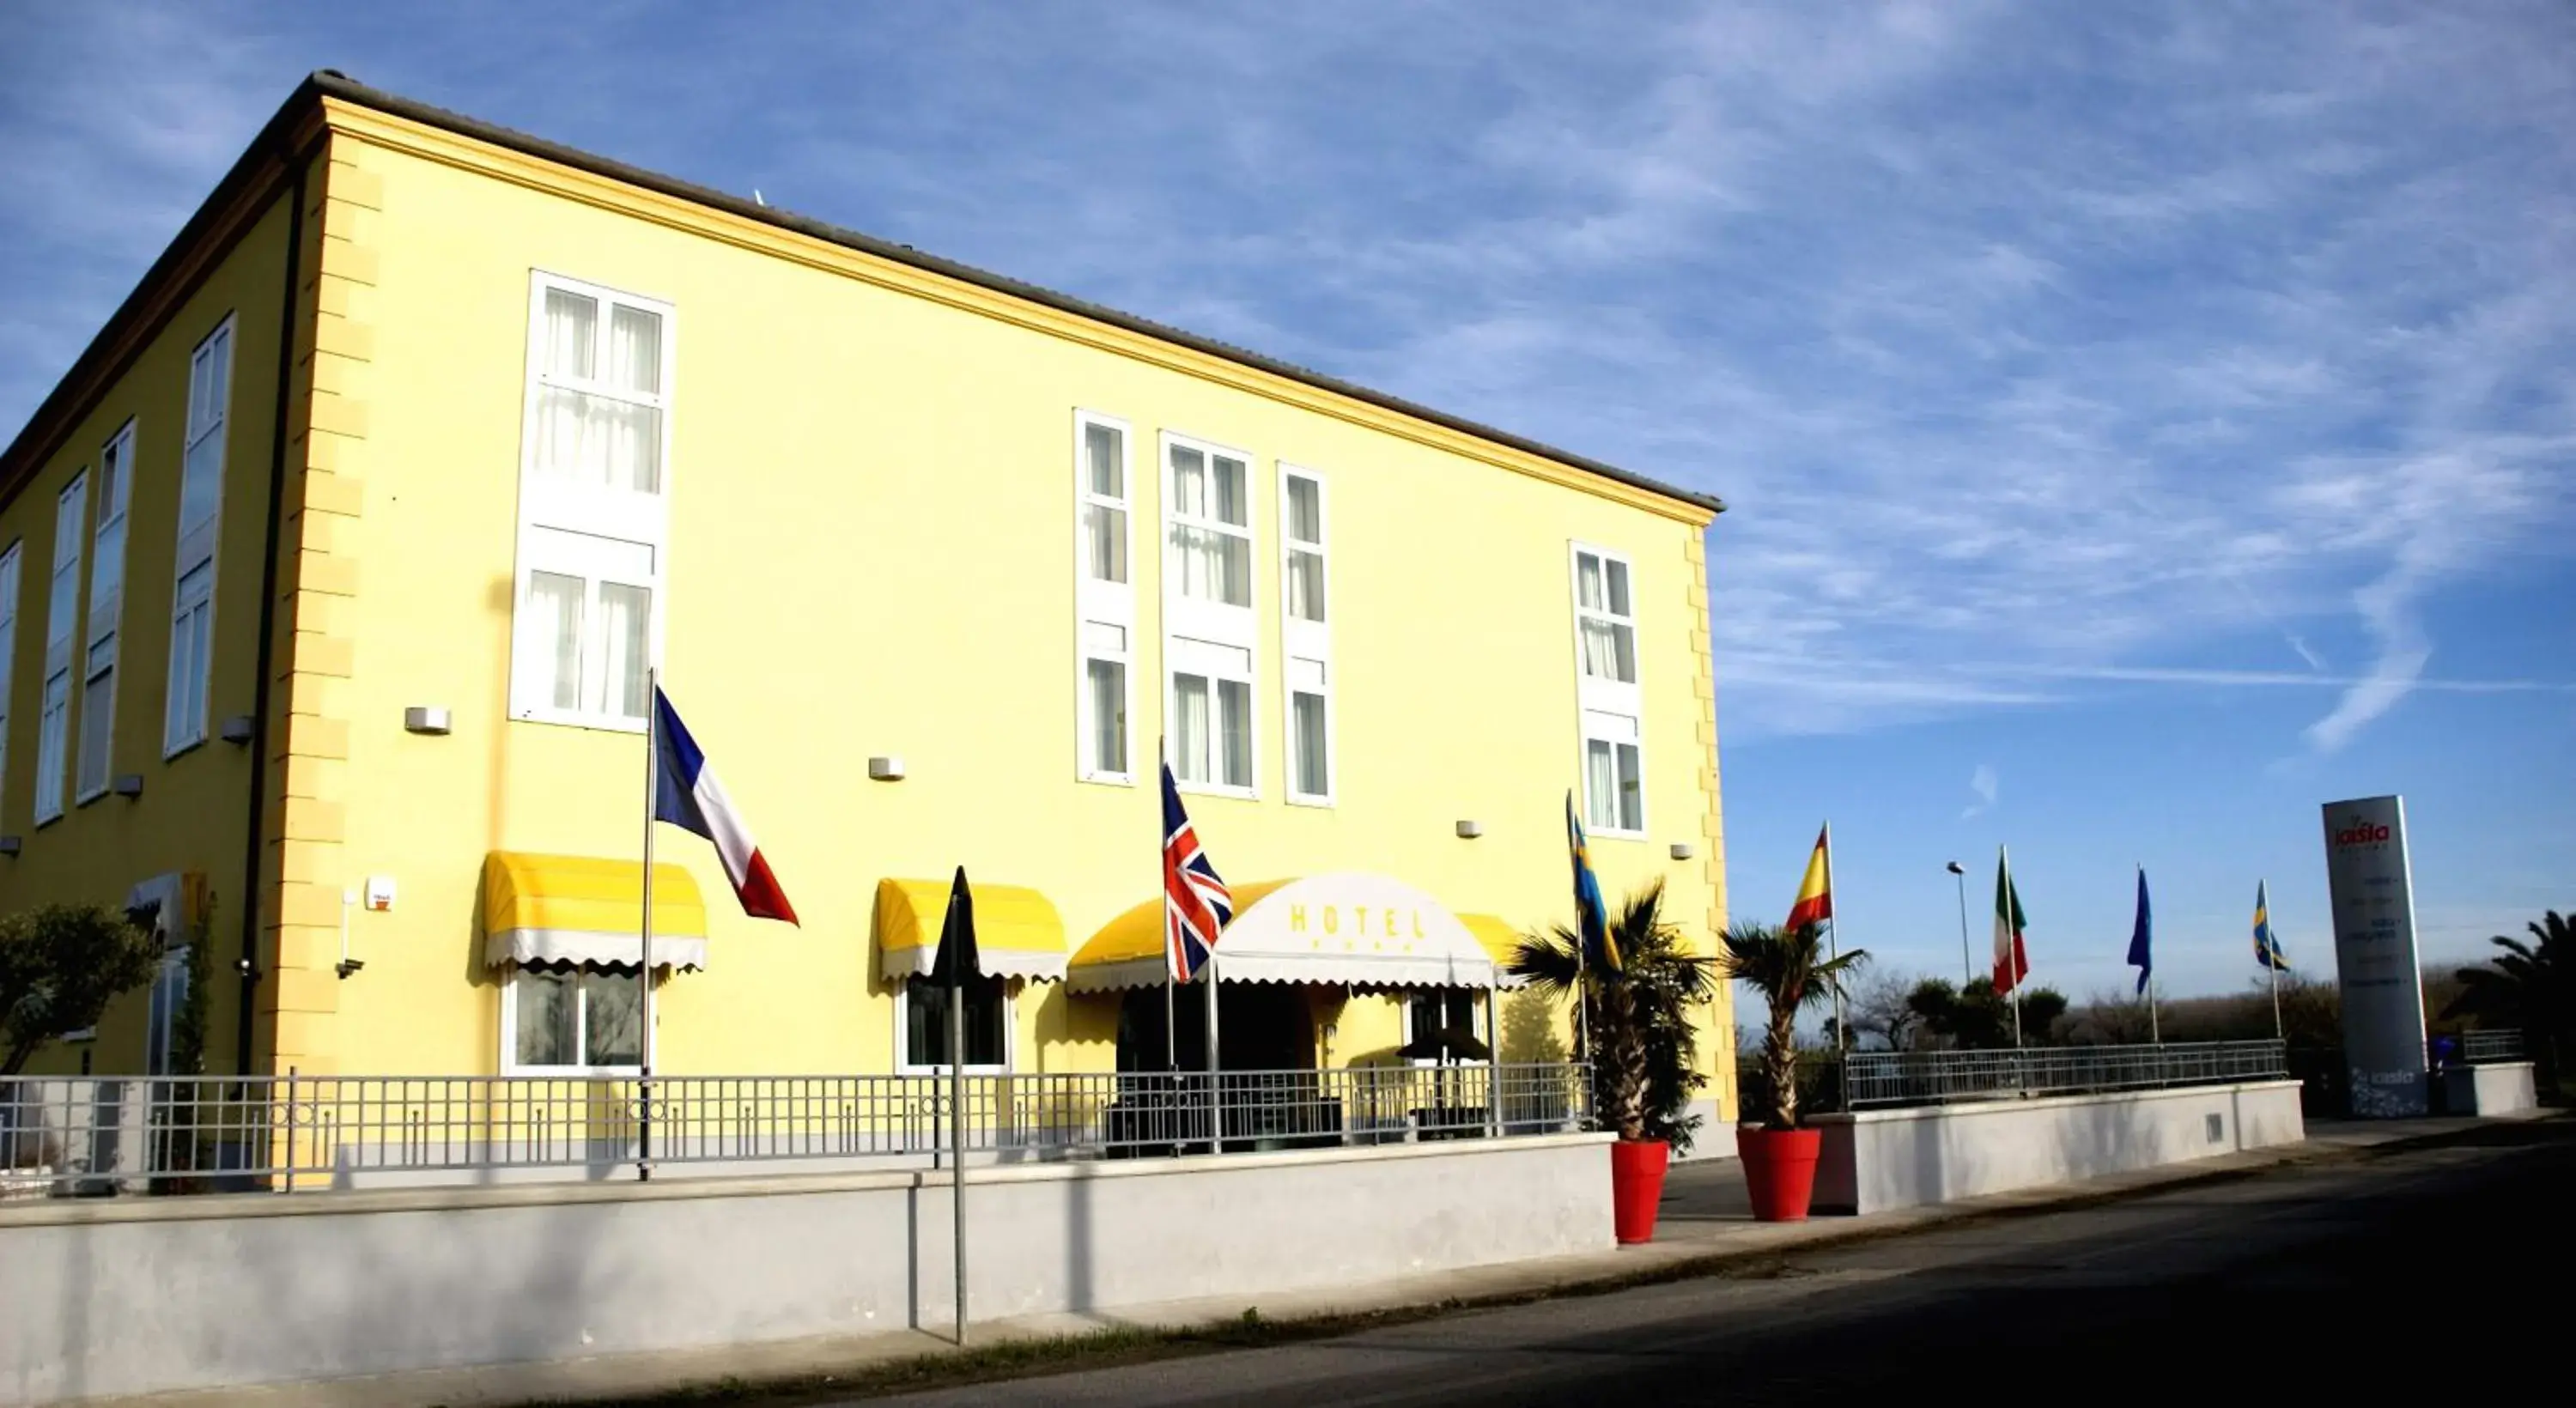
(904, 1065)
(1623, 700)
(200, 546)
(512, 1066)
(1101, 607)
(1200, 660)
(1307, 646)
(10, 559)
(593, 511)
(1599, 727)
(54, 739)
(104, 632)
(1227, 628)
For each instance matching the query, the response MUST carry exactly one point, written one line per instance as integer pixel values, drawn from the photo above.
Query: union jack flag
(1196, 904)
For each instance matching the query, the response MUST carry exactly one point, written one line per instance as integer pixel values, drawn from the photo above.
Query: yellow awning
(1494, 936)
(1349, 927)
(1497, 938)
(588, 911)
(1018, 933)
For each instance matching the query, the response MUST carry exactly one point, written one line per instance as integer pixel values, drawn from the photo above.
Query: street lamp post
(1967, 965)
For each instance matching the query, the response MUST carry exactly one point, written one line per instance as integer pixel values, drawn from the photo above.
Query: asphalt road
(2424, 1266)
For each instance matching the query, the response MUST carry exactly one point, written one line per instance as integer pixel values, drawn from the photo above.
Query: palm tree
(1789, 969)
(1638, 1016)
(2533, 986)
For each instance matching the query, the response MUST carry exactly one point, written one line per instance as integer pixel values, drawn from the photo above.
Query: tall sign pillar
(2373, 893)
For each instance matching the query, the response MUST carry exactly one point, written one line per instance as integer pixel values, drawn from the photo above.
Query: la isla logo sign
(2357, 832)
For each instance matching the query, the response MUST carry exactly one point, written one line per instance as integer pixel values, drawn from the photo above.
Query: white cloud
(1984, 785)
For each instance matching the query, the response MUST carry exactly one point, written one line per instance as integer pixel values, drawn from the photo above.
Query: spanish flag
(1815, 893)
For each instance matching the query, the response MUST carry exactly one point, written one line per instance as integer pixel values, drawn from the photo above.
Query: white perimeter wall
(2502, 1088)
(1878, 1159)
(142, 1295)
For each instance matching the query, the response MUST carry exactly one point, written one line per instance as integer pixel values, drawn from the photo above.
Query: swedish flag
(1591, 916)
(2267, 949)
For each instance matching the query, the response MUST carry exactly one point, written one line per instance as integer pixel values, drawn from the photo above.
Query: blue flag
(2142, 938)
(1591, 916)
(2267, 947)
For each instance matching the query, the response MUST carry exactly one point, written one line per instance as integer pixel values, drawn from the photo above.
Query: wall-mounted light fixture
(1684, 850)
(425, 718)
(236, 729)
(1470, 830)
(886, 769)
(127, 784)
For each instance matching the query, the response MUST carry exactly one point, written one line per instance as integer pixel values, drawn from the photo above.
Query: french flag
(688, 796)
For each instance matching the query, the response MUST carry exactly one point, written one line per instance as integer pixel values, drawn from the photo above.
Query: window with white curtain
(1605, 640)
(201, 499)
(62, 634)
(1306, 636)
(1211, 711)
(106, 610)
(1104, 500)
(1105, 601)
(1613, 774)
(1104, 703)
(8, 647)
(1604, 619)
(1302, 533)
(592, 517)
(1211, 513)
(1310, 733)
(1209, 632)
(565, 1020)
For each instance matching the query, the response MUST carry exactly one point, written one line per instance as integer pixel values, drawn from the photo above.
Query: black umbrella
(1447, 1042)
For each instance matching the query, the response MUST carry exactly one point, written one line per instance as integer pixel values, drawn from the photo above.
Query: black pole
(262, 688)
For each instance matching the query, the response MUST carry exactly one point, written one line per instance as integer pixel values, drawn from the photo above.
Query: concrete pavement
(2340, 1276)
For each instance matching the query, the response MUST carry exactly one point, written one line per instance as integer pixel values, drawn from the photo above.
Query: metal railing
(2505, 1045)
(1936, 1077)
(75, 1136)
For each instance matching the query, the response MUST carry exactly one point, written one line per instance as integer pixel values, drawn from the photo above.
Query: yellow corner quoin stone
(356, 185)
(348, 259)
(560, 420)
(321, 572)
(333, 493)
(345, 337)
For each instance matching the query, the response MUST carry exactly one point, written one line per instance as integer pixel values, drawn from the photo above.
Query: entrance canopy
(1347, 927)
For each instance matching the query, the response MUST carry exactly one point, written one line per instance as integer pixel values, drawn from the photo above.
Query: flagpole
(652, 804)
(1163, 882)
(957, 1114)
(2010, 965)
(2155, 1029)
(2271, 958)
(1582, 986)
(1834, 944)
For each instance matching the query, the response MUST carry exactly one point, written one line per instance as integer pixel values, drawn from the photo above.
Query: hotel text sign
(2373, 894)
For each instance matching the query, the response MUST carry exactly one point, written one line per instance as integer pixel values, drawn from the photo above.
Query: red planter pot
(1779, 1170)
(1637, 1187)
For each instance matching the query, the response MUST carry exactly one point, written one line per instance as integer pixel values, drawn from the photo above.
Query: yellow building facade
(427, 439)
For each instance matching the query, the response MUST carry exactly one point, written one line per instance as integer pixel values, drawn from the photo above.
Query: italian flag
(2012, 961)
(1816, 892)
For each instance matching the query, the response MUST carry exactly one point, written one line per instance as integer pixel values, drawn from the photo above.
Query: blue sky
(2141, 424)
